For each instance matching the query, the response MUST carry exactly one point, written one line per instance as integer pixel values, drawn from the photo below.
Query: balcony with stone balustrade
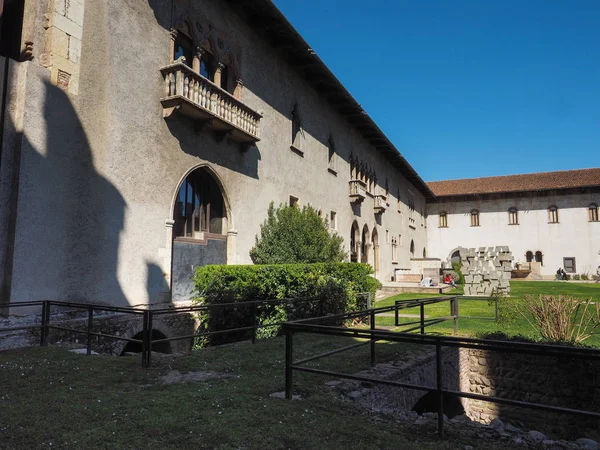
(358, 190)
(189, 93)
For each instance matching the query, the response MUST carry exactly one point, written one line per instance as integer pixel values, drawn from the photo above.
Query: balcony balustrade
(358, 191)
(189, 93)
(380, 204)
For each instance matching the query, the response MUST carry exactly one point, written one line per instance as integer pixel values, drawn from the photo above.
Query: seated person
(449, 280)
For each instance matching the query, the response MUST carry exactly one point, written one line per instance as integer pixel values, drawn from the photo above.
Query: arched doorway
(200, 227)
(365, 244)
(354, 242)
(539, 257)
(412, 248)
(529, 256)
(375, 242)
(455, 257)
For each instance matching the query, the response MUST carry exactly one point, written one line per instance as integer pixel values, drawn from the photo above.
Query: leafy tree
(292, 235)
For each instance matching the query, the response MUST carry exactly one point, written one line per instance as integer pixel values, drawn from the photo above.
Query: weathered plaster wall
(101, 167)
(573, 236)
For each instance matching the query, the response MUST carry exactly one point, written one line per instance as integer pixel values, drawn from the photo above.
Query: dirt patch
(175, 377)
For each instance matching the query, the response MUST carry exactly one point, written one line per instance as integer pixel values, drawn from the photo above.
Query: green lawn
(50, 398)
(472, 327)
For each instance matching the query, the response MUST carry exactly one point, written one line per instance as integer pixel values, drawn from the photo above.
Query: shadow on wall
(156, 284)
(69, 217)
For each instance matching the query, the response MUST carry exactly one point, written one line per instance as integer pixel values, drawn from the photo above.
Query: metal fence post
(288, 361)
(150, 317)
(44, 324)
(496, 308)
(254, 323)
(454, 312)
(368, 300)
(438, 366)
(372, 320)
(89, 329)
(145, 339)
(422, 311)
(396, 315)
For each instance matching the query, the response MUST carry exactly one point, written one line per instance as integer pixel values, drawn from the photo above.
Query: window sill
(332, 171)
(296, 150)
(475, 226)
(513, 224)
(412, 226)
(552, 223)
(444, 226)
(394, 262)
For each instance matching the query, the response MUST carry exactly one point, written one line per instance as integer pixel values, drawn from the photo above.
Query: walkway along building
(141, 139)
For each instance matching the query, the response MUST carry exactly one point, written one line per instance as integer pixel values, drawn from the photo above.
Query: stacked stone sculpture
(486, 270)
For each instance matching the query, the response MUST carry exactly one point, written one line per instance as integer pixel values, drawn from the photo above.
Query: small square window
(332, 220)
(293, 201)
(569, 264)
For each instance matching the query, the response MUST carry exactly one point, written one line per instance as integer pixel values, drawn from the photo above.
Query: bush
(456, 267)
(585, 277)
(561, 319)
(330, 287)
(291, 235)
(576, 277)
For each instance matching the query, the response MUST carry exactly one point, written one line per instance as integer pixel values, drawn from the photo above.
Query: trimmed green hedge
(331, 287)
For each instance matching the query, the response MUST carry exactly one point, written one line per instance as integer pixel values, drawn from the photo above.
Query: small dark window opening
(569, 264)
(296, 127)
(183, 47)
(11, 28)
(412, 248)
(224, 77)
(529, 256)
(539, 258)
(207, 66)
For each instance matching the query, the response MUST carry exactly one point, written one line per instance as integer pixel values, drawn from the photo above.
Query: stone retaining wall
(564, 382)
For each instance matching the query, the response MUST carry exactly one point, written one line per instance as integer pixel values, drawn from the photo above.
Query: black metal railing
(371, 336)
(148, 317)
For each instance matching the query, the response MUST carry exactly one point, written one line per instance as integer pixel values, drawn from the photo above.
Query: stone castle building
(143, 138)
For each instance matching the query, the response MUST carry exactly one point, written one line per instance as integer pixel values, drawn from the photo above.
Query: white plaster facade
(574, 236)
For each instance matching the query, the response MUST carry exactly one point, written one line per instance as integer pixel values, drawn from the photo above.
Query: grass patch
(471, 327)
(55, 399)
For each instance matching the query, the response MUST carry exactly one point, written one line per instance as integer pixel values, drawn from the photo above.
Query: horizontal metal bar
(359, 378)
(524, 404)
(73, 330)
(22, 304)
(332, 352)
(24, 327)
(477, 317)
(449, 341)
(418, 327)
(87, 306)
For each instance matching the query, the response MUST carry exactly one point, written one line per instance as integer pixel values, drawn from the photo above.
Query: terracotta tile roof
(543, 181)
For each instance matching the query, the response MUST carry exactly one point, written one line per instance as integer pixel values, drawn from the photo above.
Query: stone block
(68, 26)
(60, 6)
(506, 275)
(74, 49)
(477, 279)
(60, 43)
(75, 12)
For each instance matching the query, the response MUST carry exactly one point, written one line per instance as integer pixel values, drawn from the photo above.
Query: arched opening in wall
(200, 225)
(429, 403)
(354, 240)
(375, 242)
(199, 207)
(365, 244)
(455, 258)
(412, 248)
(539, 257)
(136, 347)
(529, 256)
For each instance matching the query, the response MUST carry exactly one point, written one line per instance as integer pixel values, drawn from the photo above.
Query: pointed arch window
(331, 166)
(593, 212)
(297, 131)
(412, 248)
(529, 256)
(183, 47)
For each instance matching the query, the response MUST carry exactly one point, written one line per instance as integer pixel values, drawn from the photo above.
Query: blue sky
(468, 88)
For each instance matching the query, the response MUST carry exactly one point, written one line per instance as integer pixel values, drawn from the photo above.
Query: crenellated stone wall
(486, 270)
